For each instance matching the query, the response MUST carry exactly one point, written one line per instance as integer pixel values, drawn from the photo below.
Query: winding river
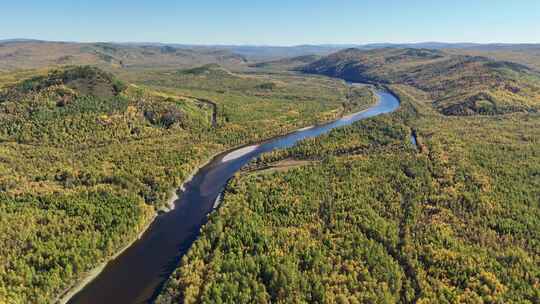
(137, 275)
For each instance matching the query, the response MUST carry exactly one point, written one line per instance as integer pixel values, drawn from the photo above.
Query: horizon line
(322, 44)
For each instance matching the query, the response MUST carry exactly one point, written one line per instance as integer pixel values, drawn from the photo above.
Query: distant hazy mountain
(258, 53)
(268, 53)
(444, 45)
(421, 45)
(31, 53)
(14, 40)
(27, 54)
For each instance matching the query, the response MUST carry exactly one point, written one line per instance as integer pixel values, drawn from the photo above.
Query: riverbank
(229, 156)
(88, 277)
(170, 205)
(386, 104)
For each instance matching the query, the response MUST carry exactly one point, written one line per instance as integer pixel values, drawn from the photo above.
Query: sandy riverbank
(239, 153)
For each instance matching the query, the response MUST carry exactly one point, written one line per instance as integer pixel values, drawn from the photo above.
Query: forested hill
(86, 105)
(457, 84)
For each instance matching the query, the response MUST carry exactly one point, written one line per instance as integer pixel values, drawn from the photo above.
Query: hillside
(525, 54)
(457, 84)
(211, 69)
(35, 54)
(27, 54)
(85, 80)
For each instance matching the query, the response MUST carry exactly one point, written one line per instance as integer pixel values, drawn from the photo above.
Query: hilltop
(457, 84)
(77, 80)
(86, 105)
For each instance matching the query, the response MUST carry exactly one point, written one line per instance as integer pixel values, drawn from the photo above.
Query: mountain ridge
(457, 84)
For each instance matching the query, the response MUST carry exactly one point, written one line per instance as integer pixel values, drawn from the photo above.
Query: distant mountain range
(268, 51)
(31, 53)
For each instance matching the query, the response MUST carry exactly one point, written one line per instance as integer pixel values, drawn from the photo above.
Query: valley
(369, 218)
(87, 160)
(91, 147)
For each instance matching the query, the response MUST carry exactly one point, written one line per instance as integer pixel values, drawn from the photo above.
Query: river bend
(137, 275)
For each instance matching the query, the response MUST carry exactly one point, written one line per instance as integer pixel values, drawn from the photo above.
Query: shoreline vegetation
(88, 277)
(282, 165)
(226, 155)
(169, 206)
(442, 217)
(97, 140)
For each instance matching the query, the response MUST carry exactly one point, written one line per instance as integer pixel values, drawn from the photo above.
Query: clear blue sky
(273, 22)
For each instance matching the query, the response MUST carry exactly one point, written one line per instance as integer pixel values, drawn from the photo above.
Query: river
(137, 275)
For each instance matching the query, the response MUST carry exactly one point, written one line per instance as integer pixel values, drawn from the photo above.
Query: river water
(137, 275)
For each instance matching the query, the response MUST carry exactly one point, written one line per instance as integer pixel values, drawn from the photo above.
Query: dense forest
(364, 214)
(86, 159)
(369, 217)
